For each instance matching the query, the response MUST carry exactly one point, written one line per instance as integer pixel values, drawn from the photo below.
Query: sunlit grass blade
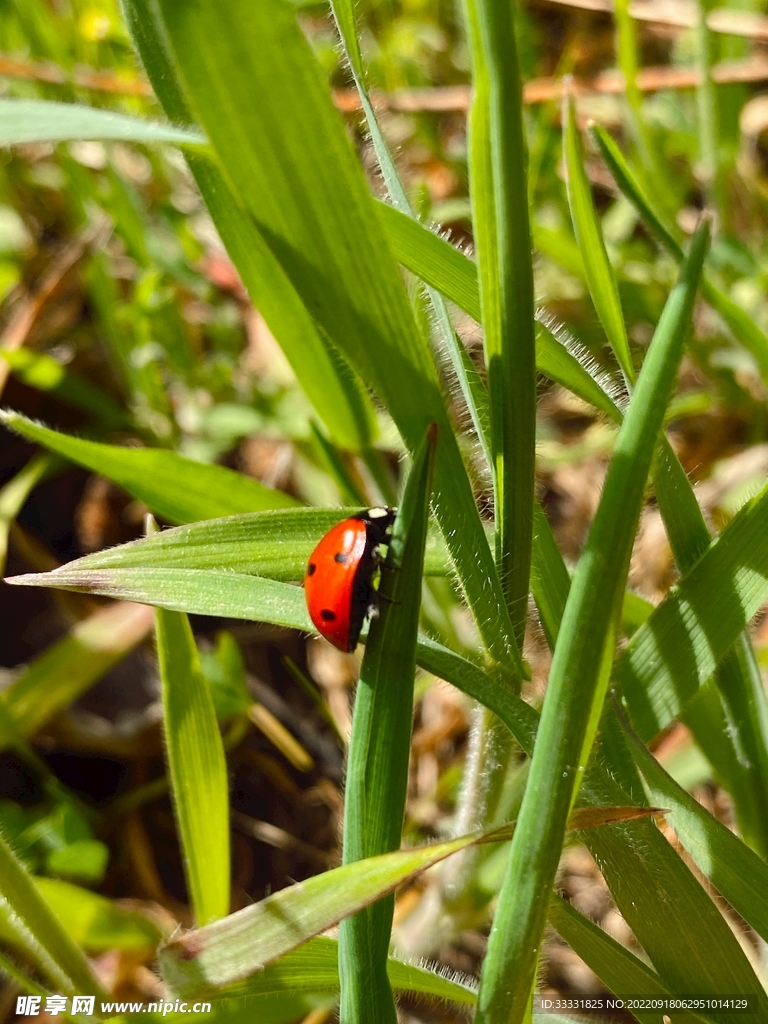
(379, 747)
(229, 950)
(197, 767)
(599, 273)
(71, 665)
(437, 262)
(173, 487)
(580, 668)
(39, 930)
(314, 967)
(23, 121)
(275, 544)
(502, 233)
(292, 167)
(740, 324)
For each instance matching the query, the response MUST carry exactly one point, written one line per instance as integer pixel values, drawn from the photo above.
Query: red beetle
(338, 583)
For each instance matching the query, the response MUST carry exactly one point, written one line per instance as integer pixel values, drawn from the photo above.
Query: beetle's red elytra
(338, 583)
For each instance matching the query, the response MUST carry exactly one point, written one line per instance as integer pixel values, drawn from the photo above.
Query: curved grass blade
(599, 273)
(23, 121)
(438, 263)
(197, 767)
(580, 669)
(618, 969)
(737, 748)
(379, 748)
(231, 949)
(471, 385)
(682, 643)
(173, 487)
(285, 150)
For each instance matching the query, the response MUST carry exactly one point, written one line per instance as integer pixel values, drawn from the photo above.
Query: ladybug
(338, 583)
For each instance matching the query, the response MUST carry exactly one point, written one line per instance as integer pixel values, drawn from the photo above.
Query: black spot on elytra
(340, 557)
(311, 568)
(327, 615)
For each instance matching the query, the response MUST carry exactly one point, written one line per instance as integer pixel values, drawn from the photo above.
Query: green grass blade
(274, 544)
(23, 121)
(618, 969)
(40, 930)
(678, 649)
(599, 273)
(580, 669)
(96, 923)
(197, 767)
(437, 262)
(337, 396)
(739, 749)
(739, 875)
(292, 166)
(173, 487)
(70, 666)
(379, 749)
(314, 967)
(231, 949)
(499, 190)
(740, 324)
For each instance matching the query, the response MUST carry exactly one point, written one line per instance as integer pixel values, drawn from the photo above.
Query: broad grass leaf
(172, 486)
(259, 93)
(738, 874)
(274, 544)
(314, 967)
(599, 273)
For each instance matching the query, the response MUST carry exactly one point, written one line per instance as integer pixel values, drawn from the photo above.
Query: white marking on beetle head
(377, 513)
